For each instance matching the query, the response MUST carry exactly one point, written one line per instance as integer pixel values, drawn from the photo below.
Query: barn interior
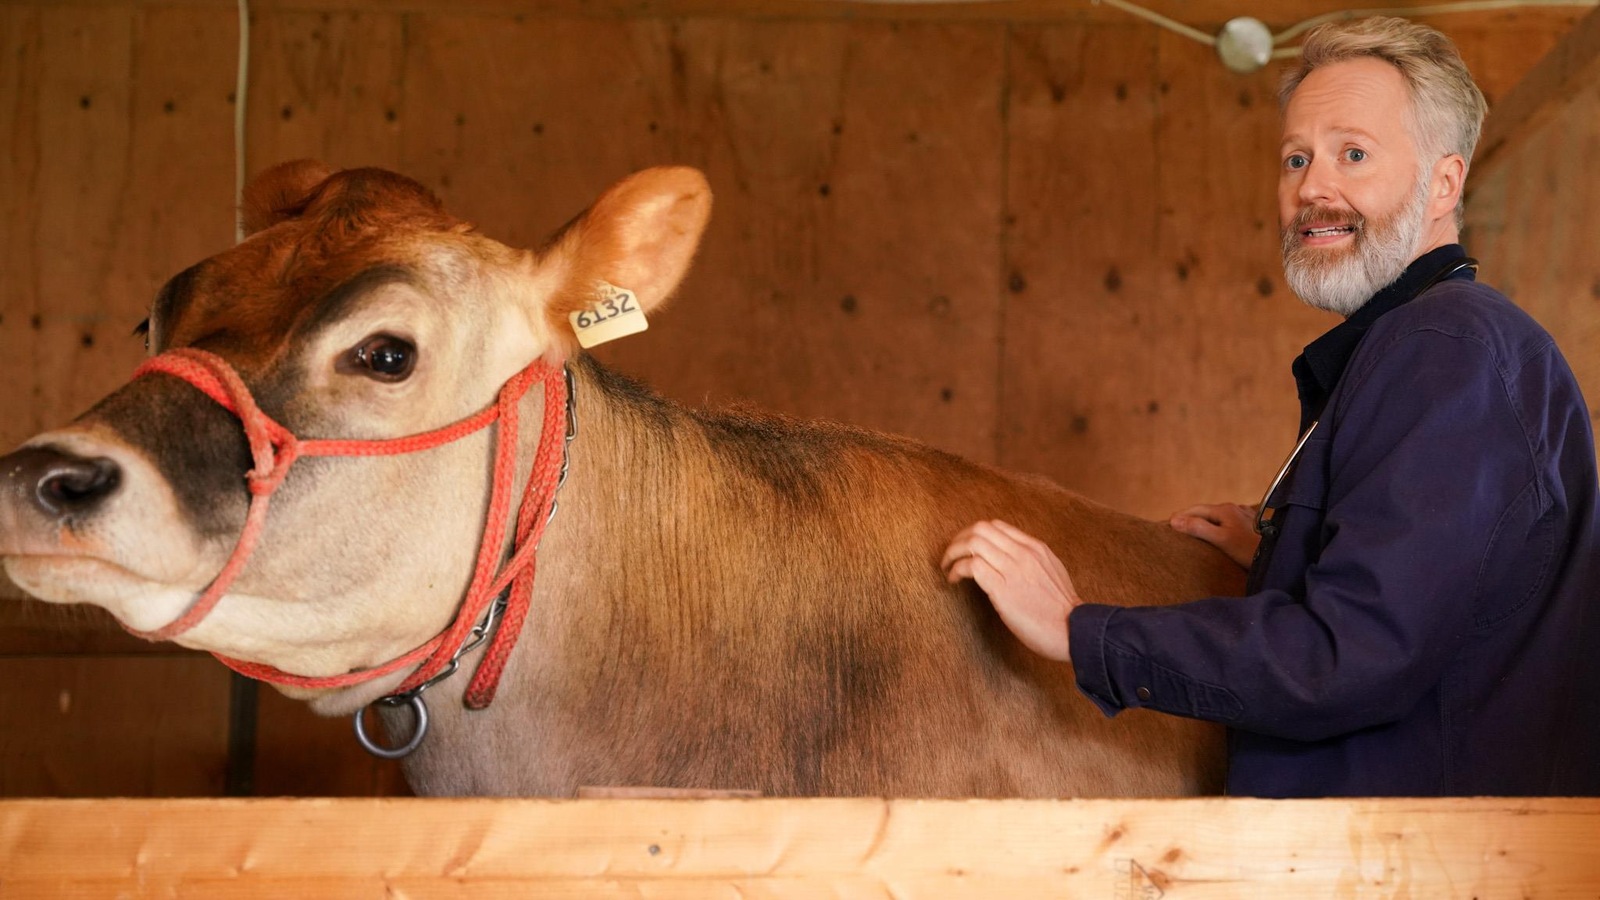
(1040, 234)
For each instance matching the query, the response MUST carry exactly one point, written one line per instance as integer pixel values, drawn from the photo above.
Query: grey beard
(1383, 251)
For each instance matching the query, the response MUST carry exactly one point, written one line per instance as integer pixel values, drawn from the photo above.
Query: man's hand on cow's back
(1027, 584)
(1230, 527)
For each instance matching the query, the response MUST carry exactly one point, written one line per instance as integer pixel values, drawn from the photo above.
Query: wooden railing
(1207, 848)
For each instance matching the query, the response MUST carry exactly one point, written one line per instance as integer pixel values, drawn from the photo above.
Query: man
(1423, 616)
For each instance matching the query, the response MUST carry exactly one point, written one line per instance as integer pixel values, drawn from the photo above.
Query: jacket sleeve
(1430, 485)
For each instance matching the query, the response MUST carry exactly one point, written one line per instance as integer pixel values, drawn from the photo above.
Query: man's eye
(1355, 154)
(385, 357)
(1296, 162)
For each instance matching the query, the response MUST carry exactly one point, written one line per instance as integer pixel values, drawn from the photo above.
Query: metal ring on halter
(419, 708)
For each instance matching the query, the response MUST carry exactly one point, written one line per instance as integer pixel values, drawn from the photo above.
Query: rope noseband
(274, 449)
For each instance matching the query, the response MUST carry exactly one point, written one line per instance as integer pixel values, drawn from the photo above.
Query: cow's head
(356, 308)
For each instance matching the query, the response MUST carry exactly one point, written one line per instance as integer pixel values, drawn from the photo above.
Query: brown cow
(722, 600)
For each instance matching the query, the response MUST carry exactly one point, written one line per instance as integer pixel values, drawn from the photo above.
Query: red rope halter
(274, 449)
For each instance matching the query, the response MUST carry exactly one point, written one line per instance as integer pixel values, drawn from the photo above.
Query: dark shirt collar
(1317, 370)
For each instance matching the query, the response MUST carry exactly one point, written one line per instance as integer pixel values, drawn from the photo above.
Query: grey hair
(1447, 109)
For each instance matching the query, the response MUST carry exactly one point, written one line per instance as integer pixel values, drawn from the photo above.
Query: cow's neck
(624, 485)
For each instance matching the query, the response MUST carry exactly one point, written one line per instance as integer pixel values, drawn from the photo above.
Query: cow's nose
(57, 482)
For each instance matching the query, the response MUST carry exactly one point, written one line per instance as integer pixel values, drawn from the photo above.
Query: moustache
(1323, 217)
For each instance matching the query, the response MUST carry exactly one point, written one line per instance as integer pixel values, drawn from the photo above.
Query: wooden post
(1574, 64)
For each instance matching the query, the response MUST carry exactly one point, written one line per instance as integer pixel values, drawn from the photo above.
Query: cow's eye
(385, 357)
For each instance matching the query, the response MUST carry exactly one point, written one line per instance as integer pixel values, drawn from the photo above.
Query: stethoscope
(1263, 523)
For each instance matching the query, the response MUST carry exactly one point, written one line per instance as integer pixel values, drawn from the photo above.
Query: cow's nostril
(58, 482)
(78, 484)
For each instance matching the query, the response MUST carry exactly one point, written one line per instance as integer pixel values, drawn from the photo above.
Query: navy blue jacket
(1427, 620)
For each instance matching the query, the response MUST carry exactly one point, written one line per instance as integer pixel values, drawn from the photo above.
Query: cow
(316, 476)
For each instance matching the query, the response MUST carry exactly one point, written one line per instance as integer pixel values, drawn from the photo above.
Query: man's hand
(1229, 527)
(1027, 584)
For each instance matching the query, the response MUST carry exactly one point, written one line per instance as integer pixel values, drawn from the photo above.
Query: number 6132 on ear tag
(615, 314)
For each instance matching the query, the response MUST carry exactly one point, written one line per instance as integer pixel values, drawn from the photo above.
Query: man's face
(1352, 194)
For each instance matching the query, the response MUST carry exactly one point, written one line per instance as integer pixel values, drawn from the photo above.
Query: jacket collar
(1318, 368)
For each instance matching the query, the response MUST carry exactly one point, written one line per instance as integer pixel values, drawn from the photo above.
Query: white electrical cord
(241, 86)
(1163, 21)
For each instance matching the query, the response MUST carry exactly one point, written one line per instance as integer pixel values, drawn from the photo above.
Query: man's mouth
(1323, 231)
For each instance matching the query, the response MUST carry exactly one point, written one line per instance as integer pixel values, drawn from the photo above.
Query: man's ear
(280, 193)
(639, 236)
(1444, 186)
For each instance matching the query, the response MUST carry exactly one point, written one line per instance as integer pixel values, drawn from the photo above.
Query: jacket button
(1142, 693)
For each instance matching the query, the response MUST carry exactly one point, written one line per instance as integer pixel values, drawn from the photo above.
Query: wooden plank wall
(1040, 235)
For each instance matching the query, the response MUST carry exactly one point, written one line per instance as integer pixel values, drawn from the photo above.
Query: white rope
(240, 89)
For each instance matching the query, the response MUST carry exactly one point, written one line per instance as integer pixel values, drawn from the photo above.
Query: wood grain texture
(300, 754)
(1568, 69)
(112, 726)
(1530, 220)
(32, 628)
(69, 133)
(21, 46)
(1219, 848)
(1207, 16)
(325, 85)
(850, 269)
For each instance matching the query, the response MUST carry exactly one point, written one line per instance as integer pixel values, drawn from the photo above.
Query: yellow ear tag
(616, 314)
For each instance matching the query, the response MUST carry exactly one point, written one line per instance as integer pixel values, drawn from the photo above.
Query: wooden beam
(1574, 64)
(1206, 15)
(1199, 848)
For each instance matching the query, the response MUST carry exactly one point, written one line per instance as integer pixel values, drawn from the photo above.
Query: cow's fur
(724, 600)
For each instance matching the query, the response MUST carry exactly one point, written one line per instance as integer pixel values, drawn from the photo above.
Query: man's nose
(1318, 183)
(57, 483)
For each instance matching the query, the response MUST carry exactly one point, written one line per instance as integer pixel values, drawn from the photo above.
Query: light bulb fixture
(1244, 44)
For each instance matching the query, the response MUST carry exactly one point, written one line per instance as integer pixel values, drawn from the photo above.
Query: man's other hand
(1229, 527)
(1026, 583)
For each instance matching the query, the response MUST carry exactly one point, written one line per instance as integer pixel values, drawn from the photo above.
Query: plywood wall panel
(850, 269)
(172, 215)
(519, 124)
(20, 49)
(1231, 322)
(112, 726)
(1082, 218)
(325, 85)
(70, 141)
(302, 754)
(33, 628)
(181, 198)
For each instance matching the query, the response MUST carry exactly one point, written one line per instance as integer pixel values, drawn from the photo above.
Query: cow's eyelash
(142, 329)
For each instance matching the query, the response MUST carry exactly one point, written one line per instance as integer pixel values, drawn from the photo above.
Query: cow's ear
(639, 236)
(280, 193)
